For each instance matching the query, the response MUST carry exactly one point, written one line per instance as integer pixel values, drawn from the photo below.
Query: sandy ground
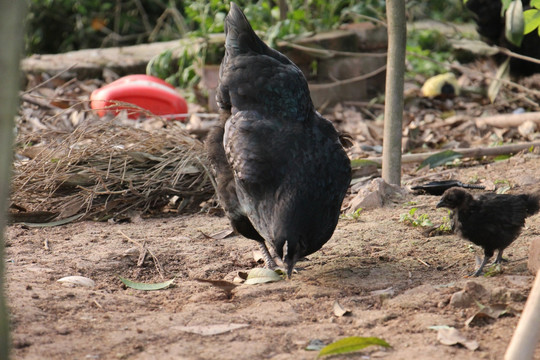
(375, 252)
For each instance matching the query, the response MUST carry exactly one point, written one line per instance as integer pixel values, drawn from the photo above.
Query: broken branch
(467, 152)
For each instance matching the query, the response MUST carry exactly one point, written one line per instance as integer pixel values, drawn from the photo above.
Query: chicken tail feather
(240, 37)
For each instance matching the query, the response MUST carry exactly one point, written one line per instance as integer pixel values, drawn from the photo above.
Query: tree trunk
(283, 10)
(393, 110)
(11, 38)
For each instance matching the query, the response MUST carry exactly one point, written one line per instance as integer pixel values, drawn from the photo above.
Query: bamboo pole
(527, 334)
(393, 108)
(11, 37)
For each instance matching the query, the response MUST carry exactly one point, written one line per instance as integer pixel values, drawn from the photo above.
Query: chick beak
(441, 204)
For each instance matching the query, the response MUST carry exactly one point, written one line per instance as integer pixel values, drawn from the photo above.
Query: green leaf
(145, 286)
(502, 157)
(54, 223)
(515, 23)
(532, 20)
(261, 276)
(350, 344)
(505, 5)
(440, 158)
(535, 3)
(502, 73)
(356, 163)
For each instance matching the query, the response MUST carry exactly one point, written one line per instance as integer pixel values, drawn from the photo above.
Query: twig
(50, 79)
(411, 180)
(328, 53)
(467, 152)
(508, 120)
(451, 265)
(143, 248)
(364, 104)
(423, 262)
(142, 255)
(98, 304)
(518, 56)
(347, 81)
(366, 17)
(35, 101)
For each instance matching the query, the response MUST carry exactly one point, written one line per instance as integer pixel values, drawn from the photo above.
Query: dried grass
(105, 169)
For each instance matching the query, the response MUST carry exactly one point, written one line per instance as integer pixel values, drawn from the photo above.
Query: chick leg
(499, 258)
(484, 262)
(268, 259)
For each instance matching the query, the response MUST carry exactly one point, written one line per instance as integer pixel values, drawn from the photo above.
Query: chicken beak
(290, 257)
(441, 204)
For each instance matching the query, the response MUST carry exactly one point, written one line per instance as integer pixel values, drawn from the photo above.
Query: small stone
(527, 128)
(62, 330)
(19, 343)
(475, 290)
(442, 304)
(461, 299)
(499, 295)
(517, 296)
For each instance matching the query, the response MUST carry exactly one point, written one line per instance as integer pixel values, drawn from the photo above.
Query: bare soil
(374, 252)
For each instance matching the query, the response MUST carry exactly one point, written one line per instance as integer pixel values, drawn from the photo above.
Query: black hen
(491, 25)
(281, 170)
(491, 221)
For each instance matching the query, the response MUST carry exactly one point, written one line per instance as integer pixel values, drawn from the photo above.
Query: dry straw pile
(104, 168)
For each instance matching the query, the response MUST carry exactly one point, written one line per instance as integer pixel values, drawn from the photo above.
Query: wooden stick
(508, 120)
(527, 333)
(467, 152)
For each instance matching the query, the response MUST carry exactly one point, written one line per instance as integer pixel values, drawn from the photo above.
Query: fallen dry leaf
(240, 277)
(209, 330)
(489, 313)
(226, 286)
(223, 234)
(389, 291)
(339, 310)
(261, 276)
(258, 256)
(77, 280)
(452, 336)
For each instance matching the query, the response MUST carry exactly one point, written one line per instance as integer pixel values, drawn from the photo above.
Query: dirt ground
(371, 253)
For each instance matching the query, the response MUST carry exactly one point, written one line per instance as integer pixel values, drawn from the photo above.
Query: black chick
(281, 170)
(491, 221)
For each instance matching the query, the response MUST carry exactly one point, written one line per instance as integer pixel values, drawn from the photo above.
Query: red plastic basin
(147, 92)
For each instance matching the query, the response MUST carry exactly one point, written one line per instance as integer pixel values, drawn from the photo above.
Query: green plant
(532, 17)
(446, 225)
(414, 220)
(410, 203)
(506, 185)
(355, 215)
(427, 53)
(474, 179)
(518, 22)
(54, 26)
